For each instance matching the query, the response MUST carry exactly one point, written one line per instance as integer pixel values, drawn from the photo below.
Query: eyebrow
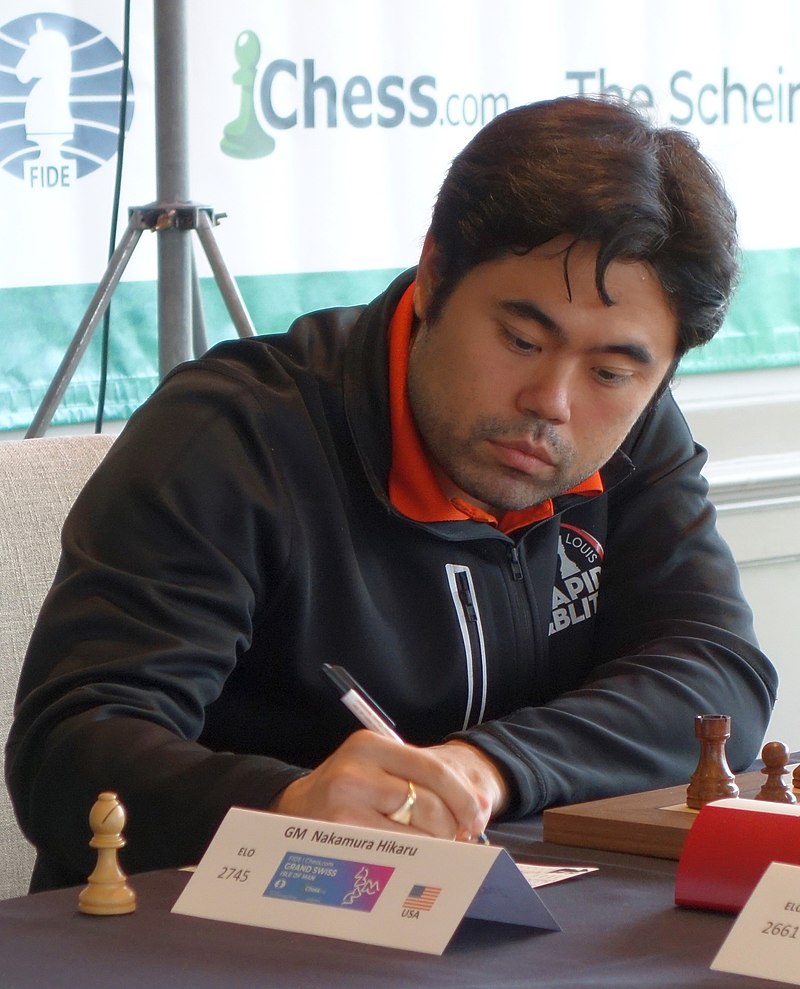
(526, 309)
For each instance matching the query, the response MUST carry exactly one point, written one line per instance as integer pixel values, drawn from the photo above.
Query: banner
(323, 130)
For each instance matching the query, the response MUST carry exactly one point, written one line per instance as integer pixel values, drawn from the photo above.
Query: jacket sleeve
(152, 603)
(674, 639)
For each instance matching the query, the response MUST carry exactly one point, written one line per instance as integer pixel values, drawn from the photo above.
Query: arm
(151, 607)
(673, 639)
(171, 560)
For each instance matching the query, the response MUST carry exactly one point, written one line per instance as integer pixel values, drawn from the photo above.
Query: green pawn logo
(244, 137)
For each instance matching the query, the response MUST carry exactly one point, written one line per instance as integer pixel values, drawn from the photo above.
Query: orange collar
(413, 488)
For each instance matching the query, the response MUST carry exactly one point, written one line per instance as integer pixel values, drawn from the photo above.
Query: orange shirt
(413, 488)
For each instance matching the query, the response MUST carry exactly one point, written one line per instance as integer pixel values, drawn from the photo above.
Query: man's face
(524, 386)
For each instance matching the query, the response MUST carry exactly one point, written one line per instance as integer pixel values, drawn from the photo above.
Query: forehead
(554, 286)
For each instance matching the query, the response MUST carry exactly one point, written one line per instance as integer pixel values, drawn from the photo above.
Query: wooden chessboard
(636, 823)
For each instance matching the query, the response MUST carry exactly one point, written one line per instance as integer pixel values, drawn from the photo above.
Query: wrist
(484, 774)
(286, 799)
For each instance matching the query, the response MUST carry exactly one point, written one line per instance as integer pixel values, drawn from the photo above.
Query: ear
(427, 276)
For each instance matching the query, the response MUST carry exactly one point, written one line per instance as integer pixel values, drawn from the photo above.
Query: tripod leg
(97, 307)
(227, 286)
(199, 337)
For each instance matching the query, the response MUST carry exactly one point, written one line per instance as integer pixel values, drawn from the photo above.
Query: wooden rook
(796, 778)
(108, 892)
(775, 756)
(712, 780)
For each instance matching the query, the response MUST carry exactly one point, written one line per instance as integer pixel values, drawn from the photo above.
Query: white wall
(750, 423)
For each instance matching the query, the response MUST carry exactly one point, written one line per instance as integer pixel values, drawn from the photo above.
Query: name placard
(765, 940)
(357, 884)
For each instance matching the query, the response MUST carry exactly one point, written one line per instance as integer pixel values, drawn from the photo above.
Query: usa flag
(422, 897)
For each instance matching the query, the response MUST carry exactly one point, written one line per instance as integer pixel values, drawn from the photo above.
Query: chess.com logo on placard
(60, 94)
(286, 94)
(580, 560)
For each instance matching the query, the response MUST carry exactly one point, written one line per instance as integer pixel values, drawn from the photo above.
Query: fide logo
(580, 560)
(60, 95)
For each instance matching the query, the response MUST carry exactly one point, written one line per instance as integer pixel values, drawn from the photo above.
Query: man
(476, 493)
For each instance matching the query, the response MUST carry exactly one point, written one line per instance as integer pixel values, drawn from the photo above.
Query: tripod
(180, 330)
(159, 217)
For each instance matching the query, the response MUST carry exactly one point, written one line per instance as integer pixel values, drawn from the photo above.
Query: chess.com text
(298, 94)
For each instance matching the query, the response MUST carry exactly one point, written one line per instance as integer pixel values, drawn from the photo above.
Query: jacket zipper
(463, 592)
(516, 566)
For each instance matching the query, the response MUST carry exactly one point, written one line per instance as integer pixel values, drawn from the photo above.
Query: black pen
(359, 703)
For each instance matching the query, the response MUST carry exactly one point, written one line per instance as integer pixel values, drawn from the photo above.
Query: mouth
(524, 456)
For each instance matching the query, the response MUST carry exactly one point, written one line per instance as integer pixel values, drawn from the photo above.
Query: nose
(547, 393)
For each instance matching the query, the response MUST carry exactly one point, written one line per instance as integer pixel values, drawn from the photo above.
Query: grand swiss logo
(60, 95)
(580, 560)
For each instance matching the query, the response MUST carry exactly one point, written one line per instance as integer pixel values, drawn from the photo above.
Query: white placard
(357, 884)
(765, 940)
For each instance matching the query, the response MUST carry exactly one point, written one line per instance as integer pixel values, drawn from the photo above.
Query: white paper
(546, 875)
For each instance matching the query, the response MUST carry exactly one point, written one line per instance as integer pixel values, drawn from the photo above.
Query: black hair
(598, 170)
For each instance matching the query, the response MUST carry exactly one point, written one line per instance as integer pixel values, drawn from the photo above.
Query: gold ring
(403, 813)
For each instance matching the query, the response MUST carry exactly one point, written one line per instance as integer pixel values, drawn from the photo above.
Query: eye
(612, 376)
(519, 344)
(524, 346)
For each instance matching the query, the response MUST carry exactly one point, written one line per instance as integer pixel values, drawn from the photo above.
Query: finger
(353, 786)
(366, 780)
(425, 814)
(454, 796)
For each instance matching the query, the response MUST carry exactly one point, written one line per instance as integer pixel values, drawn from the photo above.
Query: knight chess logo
(580, 560)
(60, 99)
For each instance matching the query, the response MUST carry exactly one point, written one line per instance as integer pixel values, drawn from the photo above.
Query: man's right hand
(366, 779)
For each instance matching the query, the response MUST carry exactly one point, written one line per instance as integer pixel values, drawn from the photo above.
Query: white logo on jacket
(580, 560)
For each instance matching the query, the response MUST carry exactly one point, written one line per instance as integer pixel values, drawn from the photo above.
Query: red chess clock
(728, 849)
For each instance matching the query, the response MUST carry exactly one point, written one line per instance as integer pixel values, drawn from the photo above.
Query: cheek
(471, 382)
(607, 423)
(626, 404)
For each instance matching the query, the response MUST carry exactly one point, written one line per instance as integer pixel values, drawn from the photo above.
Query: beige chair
(39, 480)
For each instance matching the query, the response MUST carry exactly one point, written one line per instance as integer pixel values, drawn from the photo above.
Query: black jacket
(238, 535)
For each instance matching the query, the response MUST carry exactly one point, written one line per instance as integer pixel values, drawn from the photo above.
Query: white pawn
(108, 892)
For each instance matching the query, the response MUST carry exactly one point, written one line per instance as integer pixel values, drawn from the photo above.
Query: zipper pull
(465, 596)
(516, 567)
